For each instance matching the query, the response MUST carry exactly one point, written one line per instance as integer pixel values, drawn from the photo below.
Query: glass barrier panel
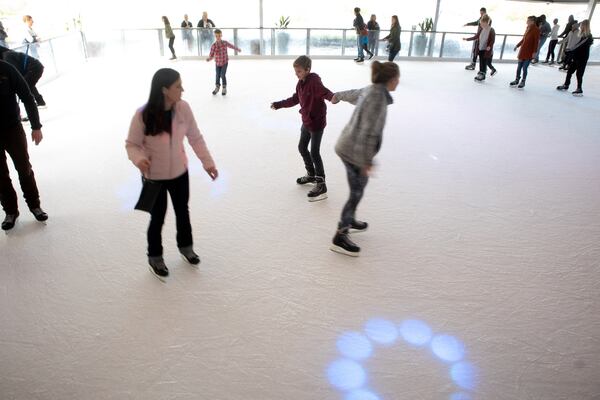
(290, 42)
(326, 42)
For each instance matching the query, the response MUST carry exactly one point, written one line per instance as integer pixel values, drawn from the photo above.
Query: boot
(224, 91)
(158, 267)
(358, 226)
(522, 84)
(217, 88)
(470, 67)
(319, 192)
(303, 180)
(39, 214)
(187, 253)
(9, 221)
(342, 244)
(562, 88)
(515, 82)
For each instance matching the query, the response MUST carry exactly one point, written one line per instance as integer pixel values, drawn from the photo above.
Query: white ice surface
(484, 221)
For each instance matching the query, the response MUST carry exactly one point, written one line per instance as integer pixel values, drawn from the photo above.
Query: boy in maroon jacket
(311, 95)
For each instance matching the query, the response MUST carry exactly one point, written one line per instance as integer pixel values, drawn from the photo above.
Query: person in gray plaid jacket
(358, 144)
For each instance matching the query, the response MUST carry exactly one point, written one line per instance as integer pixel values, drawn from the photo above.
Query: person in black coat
(14, 143)
(580, 56)
(30, 68)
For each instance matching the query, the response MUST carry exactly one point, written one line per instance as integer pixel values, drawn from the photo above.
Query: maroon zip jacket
(311, 95)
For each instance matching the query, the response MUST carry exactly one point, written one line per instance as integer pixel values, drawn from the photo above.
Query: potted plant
(421, 38)
(283, 38)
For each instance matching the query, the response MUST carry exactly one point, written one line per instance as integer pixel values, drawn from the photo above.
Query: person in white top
(553, 41)
(572, 39)
(30, 38)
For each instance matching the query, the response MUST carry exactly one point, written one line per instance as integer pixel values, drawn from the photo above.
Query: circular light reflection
(464, 375)
(346, 375)
(361, 395)
(460, 396)
(355, 345)
(447, 348)
(415, 332)
(381, 331)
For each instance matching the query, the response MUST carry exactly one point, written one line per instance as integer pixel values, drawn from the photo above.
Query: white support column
(261, 17)
(434, 28)
(590, 10)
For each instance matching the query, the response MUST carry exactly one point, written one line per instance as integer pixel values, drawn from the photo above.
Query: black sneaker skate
(217, 88)
(187, 253)
(514, 83)
(342, 244)
(158, 267)
(9, 221)
(521, 85)
(39, 214)
(470, 67)
(303, 180)
(319, 192)
(358, 226)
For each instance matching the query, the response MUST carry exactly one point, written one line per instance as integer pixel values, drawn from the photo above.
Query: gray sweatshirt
(361, 138)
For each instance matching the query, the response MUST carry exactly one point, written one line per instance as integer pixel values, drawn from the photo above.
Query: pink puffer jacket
(166, 152)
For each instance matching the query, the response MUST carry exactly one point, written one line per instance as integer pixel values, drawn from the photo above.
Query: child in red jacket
(311, 95)
(529, 46)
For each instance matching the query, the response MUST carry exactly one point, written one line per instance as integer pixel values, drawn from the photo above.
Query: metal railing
(325, 43)
(66, 52)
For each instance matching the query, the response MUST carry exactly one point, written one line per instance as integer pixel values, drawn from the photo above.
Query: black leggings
(551, 47)
(357, 182)
(485, 62)
(171, 41)
(179, 189)
(579, 68)
(312, 160)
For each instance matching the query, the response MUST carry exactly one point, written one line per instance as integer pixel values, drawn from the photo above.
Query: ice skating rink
(478, 278)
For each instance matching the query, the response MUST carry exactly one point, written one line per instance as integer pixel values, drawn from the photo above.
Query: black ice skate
(562, 88)
(9, 221)
(470, 67)
(187, 253)
(39, 214)
(319, 192)
(480, 77)
(224, 91)
(303, 180)
(515, 83)
(217, 88)
(578, 93)
(521, 85)
(158, 267)
(342, 244)
(358, 226)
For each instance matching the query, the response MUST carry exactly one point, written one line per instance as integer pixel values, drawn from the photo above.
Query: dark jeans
(14, 142)
(312, 160)
(220, 72)
(475, 53)
(171, 41)
(393, 54)
(551, 48)
(541, 44)
(485, 62)
(32, 76)
(523, 65)
(578, 66)
(179, 190)
(357, 183)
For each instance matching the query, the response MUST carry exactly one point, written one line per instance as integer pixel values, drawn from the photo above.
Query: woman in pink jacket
(155, 146)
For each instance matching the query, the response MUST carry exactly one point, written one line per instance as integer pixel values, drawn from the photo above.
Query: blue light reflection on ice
(361, 395)
(464, 375)
(381, 331)
(415, 332)
(355, 346)
(346, 375)
(447, 348)
(460, 396)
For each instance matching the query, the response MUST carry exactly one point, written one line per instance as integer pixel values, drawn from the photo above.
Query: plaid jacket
(218, 51)
(361, 138)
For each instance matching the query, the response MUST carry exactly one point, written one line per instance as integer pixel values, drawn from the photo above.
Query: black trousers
(14, 142)
(179, 190)
(577, 67)
(32, 76)
(171, 41)
(485, 62)
(312, 159)
(551, 48)
(393, 53)
(357, 183)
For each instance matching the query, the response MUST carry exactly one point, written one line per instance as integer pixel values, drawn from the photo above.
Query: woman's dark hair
(165, 20)
(153, 114)
(384, 72)
(356, 9)
(395, 20)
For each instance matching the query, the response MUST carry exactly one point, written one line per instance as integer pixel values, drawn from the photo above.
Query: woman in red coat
(529, 46)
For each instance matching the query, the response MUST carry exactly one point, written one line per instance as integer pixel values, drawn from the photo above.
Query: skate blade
(160, 278)
(340, 250)
(353, 230)
(318, 198)
(192, 265)
(578, 95)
